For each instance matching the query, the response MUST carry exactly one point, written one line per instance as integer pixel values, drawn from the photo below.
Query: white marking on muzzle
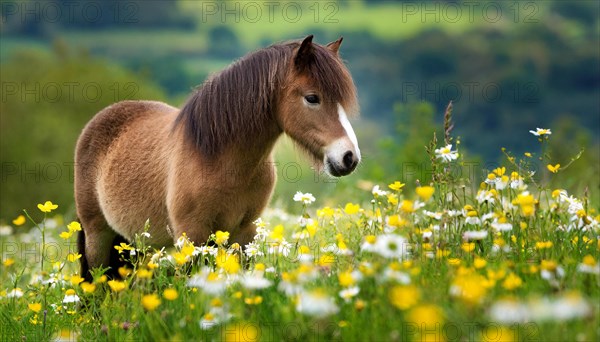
(348, 128)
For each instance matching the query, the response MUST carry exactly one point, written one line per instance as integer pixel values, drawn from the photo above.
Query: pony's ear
(335, 46)
(305, 53)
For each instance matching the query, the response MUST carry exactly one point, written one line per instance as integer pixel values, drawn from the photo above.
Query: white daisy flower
(541, 131)
(306, 198)
(474, 235)
(316, 303)
(70, 297)
(391, 246)
(349, 293)
(446, 154)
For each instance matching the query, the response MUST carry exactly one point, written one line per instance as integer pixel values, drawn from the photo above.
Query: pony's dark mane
(237, 101)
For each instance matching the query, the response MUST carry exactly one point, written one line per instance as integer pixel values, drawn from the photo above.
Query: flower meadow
(511, 260)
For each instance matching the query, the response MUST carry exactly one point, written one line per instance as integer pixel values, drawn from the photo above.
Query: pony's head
(317, 96)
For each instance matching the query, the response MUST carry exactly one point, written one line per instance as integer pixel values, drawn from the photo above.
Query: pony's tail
(85, 268)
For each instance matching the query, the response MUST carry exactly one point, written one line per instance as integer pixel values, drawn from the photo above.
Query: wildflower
(66, 235)
(589, 265)
(72, 257)
(150, 302)
(396, 186)
(35, 307)
(253, 300)
(19, 221)
(8, 262)
(316, 303)
(227, 262)
(475, 235)
(428, 317)
(306, 198)
(116, 285)
(277, 233)
(468, 247)
(170, 294)
(255, 281)
(446, 154)
(512, 281)
(74, 226)
(502, 227)
(404, 297)
(378, 192)
(47, 207)
(221, 237)
(144, 273)
(543, 244)
(349, 293)
(351, 208)
(124, 247)
(425, 192)
(540, 132)
(34, 320)
(553, 168)
(391, 246)
(469, 287)
(479, 263)
(88, 288)
(6, 230)
(210, 282)
(407, 206)
(70, 297)
(124, 272)
(527, 202)
(76, 279)
(208, 321)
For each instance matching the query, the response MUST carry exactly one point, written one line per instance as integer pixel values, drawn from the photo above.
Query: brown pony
(209, 166)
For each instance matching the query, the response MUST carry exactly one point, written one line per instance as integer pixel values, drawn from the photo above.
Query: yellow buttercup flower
(74, 226)
(35, 307)
(345, 278)
(72, 257)
(404, 297)
(8, 262)
(253, 300)
(407, 206)
(47, 207)
(116, 285)
(512, 281)
(66, 235)
(144, 273)
(351, 208)
(479, 263)
(150, 302)
(228, 262)
(87, 287)
(425, 192)
(19, 221)
(76, 279)
(221, 237)
(277, 233)
(396, 186)
(170, 294)
(553, 168)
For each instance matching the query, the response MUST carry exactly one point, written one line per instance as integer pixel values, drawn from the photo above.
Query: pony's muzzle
(341, 158)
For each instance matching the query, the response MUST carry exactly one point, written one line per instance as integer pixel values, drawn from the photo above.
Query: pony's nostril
(349, 160)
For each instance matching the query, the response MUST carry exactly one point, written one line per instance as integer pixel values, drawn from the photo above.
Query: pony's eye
(312, 99)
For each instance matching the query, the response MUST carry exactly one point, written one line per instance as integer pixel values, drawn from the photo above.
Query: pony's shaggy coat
(207, 166)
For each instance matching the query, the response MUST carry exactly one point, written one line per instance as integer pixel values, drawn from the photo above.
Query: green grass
(513, 261)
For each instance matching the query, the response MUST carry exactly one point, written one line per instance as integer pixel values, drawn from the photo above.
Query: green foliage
(47, 100)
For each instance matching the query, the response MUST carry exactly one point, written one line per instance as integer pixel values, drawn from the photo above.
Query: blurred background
(509, 67)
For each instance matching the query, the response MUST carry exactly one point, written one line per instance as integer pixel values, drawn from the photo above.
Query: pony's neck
(255, 148)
